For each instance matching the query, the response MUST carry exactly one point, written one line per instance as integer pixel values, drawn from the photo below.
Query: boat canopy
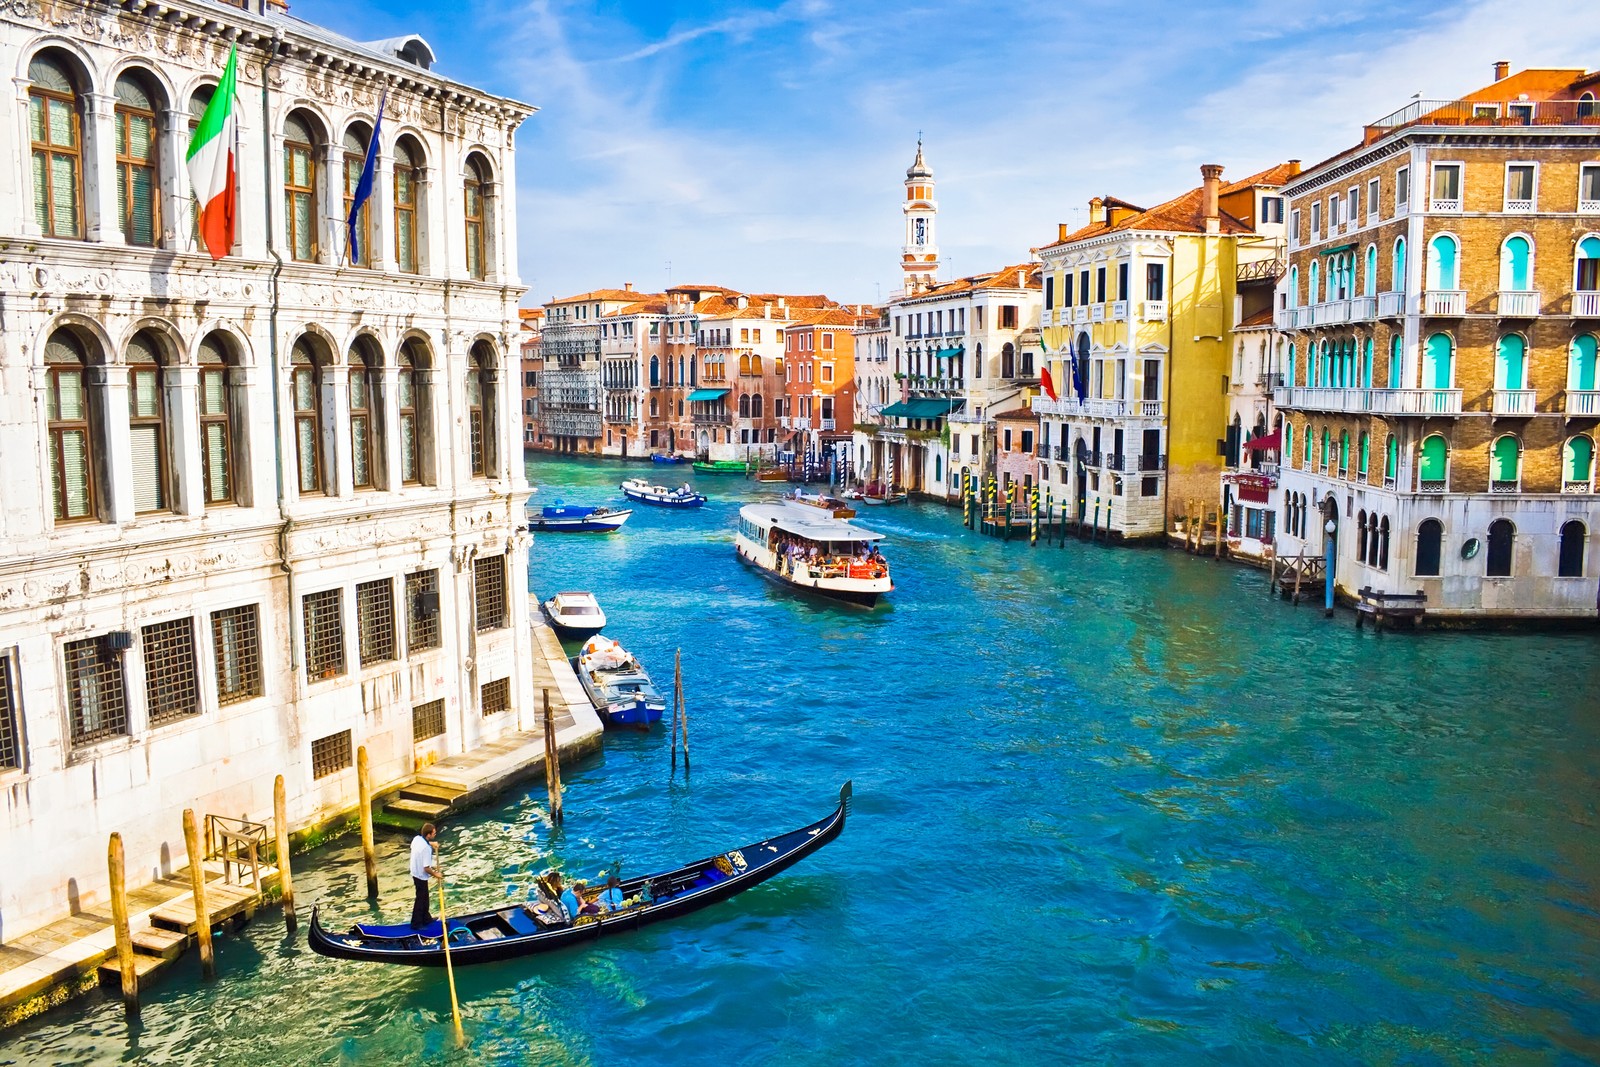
(794, 519)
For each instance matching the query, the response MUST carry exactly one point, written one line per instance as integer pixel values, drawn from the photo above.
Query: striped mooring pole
(1033, 527)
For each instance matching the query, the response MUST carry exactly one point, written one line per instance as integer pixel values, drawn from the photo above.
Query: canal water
(1110, 806)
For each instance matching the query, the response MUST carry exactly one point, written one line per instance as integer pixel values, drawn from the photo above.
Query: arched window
(1433, 473)
(1502, 534)
(1322, 460)
(1344, 453)
(755, 406)
(1510, 362)
(1369, 284)
(1443, 265)
(407, 198)
(366, 414)
(1391, 459)
(73, 443)
(476, 207)
(655, 371)
(218, 398)
(1586, 106)
(655, 408)
(1569, 553)
(305, 386)
(1586, 271)
(1288, 365)
(1305, 452)
(55, 115)
(1383, 544)
(300, 148)
(755, 365)
(1008, 360)
(482, 417)
(1397, 265)
(1366, 364)
(1505, 464)
(1577, 464)
(744, 364)
(938, 468)
(197, 111)
(416, 435)
(1438, 360)
(147, 425)
(1312, 295)
(1430, 541)
(138, 167)
(1580, 374)
(1361, 536)
(744, 405)
(1516, 264)
(356, 139)
(1396, 361)
(1362, 457)
(1294, 287)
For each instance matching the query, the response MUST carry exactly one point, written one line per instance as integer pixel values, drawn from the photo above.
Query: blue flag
(364, 186)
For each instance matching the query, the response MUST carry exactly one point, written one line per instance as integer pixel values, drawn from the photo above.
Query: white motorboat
(575, 615)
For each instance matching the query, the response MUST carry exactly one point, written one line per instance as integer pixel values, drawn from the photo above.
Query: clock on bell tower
(919, 256)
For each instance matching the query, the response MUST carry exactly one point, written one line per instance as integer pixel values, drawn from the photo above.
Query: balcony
(1391, 305)
(1433, 485)
(1373, 401)
(1155, 311)
(1363, 308)
(1583, 401)
(1586, 305)
(1116, 461)
(716, 418)
(1513, 401)
(827, 424)
(1152, 463)
(1505, 488)
(1449, 303)
(1098, 407)
(1330, 313)
(1519, 207)
(1577, 487)
(1445, 204)
(1097, 313)
(1517, 303)
(1119, 311)
(1270, 380)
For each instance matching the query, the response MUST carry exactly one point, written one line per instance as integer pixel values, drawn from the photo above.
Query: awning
(707, 394)
(922, 409)
(1335, 248)
(948, 353)
(1271, 440)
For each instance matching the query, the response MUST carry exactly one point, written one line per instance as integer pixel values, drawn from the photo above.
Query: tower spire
(919, 256)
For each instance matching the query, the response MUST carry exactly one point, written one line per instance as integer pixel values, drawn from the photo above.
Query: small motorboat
(772, 474)
(512, 930)
(618, 687)
(721, 466)
(659, 495)
(839, 509)
(570, 518)
(575, 615)
(878, 493)
(663, 457)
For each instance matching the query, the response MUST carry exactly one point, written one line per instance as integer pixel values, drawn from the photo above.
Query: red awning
(1272, 440)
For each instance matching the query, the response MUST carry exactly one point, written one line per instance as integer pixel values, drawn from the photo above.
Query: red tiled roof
(1015, 415)
(1259, 318)
(1181, 214)
(628, 295)
(1004, 278)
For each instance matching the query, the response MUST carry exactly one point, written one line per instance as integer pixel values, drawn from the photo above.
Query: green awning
(921, 409)
(948, 353)
(1335, 248)
(707, 394)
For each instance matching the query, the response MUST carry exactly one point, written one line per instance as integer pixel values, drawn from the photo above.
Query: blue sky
(763, 146)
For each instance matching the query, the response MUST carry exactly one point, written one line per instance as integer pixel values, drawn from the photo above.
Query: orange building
(818, 408)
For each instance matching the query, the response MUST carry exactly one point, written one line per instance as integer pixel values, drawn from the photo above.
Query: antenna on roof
(669, 274)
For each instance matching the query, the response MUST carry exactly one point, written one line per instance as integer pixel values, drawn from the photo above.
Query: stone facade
(259, 512)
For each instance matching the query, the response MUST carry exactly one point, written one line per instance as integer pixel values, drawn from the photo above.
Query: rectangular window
(10, 741)
(97, 702)
(300, 200)
(171, 685)
(1271, 209)
(147, 438)
(827, 342)
(1372, 200)
(489, 592)
(1083, 288)
(1100, 285)
(1008, 316)
(323, 618)
(216, 431)
(827, 372)
(1155, 281)
(1027, 440)
(331, 754)
(405, 214)
(1353, 202)
(1520, 178)
(427, 721)
(1589, 188)
(1316, 220)
(236, 633)
(1335, 214)
(1402, 190)
(53, 120)
(138, 187)
(1446, 187)
(1294, 226)
(375, 619)
(495, 696)
(1122, 281)
(1049, 292)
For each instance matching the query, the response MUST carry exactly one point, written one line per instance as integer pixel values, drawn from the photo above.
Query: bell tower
(919, 256)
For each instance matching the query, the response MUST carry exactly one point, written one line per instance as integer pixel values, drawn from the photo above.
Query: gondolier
(422, 869)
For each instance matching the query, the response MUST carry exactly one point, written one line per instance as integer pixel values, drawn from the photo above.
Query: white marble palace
(259, 512)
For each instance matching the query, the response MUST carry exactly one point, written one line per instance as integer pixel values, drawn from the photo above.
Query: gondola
(511, 930)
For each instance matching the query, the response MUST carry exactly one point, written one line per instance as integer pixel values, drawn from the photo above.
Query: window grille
(324, 633)
(375, 615)
(96, 698)
(489, 591)
(236, 634)
(495, 696)
(10, 749)
(427, 720)
(171, 686)
(330, 754)
(422, 610)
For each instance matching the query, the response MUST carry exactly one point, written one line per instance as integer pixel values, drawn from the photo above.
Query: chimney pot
(1211, 186)
(627, 287)
(1502, 70)
(1096, 214)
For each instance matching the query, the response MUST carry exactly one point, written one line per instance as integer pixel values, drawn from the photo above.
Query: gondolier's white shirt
(421, 857)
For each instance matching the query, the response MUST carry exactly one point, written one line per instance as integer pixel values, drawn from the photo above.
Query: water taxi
(570, 518)
(805, 546)
(575, 615)
(645, 493)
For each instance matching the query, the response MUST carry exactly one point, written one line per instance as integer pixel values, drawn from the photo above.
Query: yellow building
(1139, 311)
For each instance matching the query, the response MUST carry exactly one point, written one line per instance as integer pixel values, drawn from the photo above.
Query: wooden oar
(444, 938)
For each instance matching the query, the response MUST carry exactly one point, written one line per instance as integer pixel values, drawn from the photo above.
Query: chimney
(1502, 70)
(1211, 183)
(1294, 167)
(1061, 231)
(743, 302)
(627, 287)
(1022, 278)
(1096, 212)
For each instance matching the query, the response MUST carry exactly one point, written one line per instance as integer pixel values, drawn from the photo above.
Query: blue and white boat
(663, 457)
(645, 493)
(618, 687)
(570, 518)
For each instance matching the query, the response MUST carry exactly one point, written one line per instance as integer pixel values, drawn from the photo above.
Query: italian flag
(213, 173)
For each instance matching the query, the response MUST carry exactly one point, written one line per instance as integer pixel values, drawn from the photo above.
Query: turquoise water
(1110, 806)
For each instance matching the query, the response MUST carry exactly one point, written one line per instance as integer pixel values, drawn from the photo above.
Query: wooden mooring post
(369, 852)
(552, 763)
(280, 825)
(197, 884)
(117, 865)
(683, 714)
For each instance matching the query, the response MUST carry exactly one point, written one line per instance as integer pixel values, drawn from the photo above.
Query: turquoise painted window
(1288, 443)
(1581, 375)
(1370, 288)
(1362, 456)
(1510, 362)
(1311, 290)
(1588, 273)
(1443, 270)
(1435, 459)
(1397, 281)
(938, 468)
(1344, 451)
(1396, 352)
(1366, 365)
(1503, 459)
(1294, 286)
(1516, 258)
(1436, 369)
(1578, 459)
(1391, 457)
(1305, 453)
(1288, 367)
(1325, 447)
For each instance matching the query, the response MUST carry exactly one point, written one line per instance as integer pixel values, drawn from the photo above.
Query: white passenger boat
(804, 546)
(647, 493)
(575, 615)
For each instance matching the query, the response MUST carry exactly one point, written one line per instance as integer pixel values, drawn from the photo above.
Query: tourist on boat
(611, 898)
(423, 867)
